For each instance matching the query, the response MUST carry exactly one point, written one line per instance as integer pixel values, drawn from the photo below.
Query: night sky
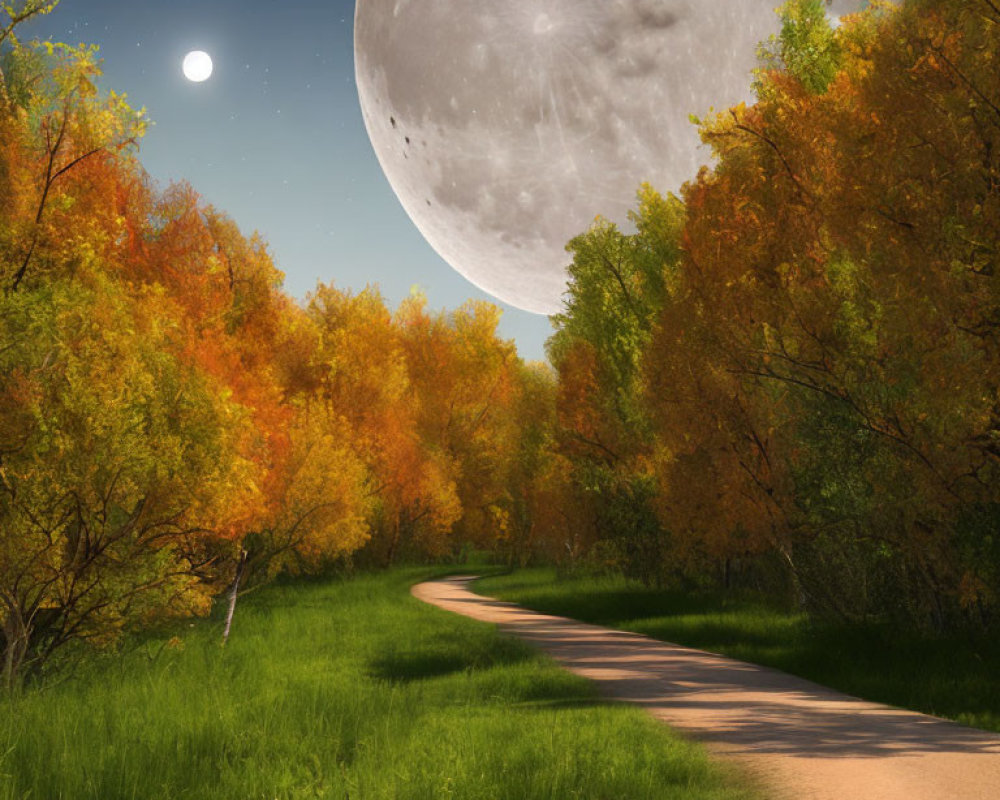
(274, 138)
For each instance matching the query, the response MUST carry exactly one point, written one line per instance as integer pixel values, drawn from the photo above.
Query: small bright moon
(197, 66)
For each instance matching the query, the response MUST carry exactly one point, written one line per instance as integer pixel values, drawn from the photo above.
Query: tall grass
(340, 690)
(954, 677)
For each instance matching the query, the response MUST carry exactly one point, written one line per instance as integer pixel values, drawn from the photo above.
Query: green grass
(341, 690)
(956, 678)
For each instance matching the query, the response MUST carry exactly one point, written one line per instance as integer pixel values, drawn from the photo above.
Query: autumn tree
(364, 379)
(465, 377)
(546, 519)
(795, 371)
(116, 458)
(311, 506)
(64, 128)
(836, 296)
(80, 214)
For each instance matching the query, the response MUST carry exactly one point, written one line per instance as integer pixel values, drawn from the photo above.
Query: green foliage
(617, 286)
(807, 46)
(335, 690)
(619, 283)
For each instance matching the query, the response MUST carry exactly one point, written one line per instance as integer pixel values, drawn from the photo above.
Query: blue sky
(275, 138)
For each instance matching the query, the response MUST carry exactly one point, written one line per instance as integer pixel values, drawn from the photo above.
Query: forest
(784, 379)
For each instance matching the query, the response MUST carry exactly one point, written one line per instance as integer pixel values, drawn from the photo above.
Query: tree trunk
(393, 544)
(233, 593)
(15, 649)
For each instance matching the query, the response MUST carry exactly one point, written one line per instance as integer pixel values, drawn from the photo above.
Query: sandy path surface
(803, 741)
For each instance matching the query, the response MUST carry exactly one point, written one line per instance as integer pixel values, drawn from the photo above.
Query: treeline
(170, 419)
(788, 378)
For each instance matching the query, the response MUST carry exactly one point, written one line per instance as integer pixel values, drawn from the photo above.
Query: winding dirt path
(803, 741)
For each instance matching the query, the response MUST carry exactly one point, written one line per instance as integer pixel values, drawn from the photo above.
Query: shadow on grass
(406, 667)
(563, 704)
(442, 656)
(956, 676)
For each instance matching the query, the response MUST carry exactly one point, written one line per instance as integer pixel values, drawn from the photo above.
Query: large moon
(505, 127)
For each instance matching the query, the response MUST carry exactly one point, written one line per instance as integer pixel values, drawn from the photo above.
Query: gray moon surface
(505, 126)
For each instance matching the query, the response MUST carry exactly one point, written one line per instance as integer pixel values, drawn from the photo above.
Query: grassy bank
(340, 690)
(955, 677)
